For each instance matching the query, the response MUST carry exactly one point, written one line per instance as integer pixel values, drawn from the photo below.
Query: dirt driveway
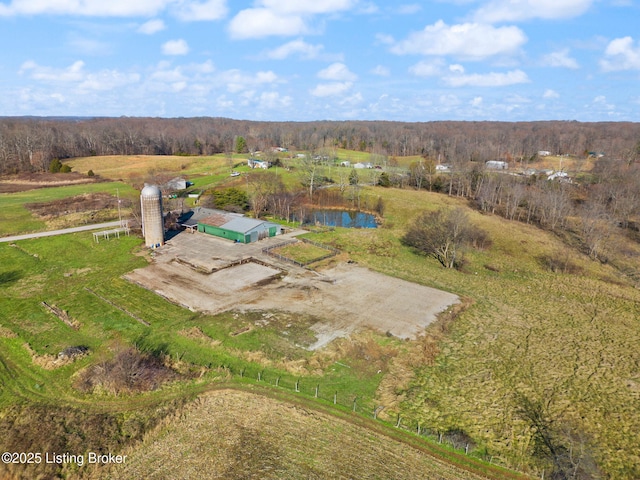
(207, 274)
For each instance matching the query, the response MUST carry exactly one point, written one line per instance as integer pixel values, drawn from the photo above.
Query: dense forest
(30, 144)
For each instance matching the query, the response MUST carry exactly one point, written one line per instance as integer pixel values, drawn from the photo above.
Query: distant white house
(543, 153)
(346, 163)
(558, 175)
(174, 184)
(362, 165)
(443, 168)
(496, 165)
(253, 163)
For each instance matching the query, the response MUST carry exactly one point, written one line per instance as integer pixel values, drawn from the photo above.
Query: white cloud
(427, 68)
(95, 8)
(237, 81)
(560, 58)
(488, 79)
(306, 7)
(468, 40)
(75, 76)
(476, 102)
(601, 103)
(337, 71)
(201, 11)
(151, 27)
(515, 10)
(354, 99)
(621, 54)
(73, 73)
(175, 47)
(168, 76)
(108, 80)
(296, 47)
(282, 17)
(549, 93)
(206, 67)
(449, 100)
(262, 22)
(456, 68)
(381, 71)
(273, 100)
(331, 89)
(183, 9)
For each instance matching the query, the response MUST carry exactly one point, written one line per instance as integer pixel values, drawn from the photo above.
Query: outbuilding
(232, 226)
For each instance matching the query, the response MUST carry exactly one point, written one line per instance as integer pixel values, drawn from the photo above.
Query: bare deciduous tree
(443, 235)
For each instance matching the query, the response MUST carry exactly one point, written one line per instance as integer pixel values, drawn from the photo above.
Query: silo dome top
(150, 191)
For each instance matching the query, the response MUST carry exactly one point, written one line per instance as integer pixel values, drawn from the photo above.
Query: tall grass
(563, 338)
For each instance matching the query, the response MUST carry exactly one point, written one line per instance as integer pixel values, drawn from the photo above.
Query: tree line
(589, 210)
(29, 144)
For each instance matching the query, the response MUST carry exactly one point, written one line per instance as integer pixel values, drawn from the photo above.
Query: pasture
(529, 338)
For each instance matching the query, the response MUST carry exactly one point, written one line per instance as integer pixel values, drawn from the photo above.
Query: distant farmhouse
(543, 153)
(253, 163)
(362, 165)
(232, 226)
(175, 184)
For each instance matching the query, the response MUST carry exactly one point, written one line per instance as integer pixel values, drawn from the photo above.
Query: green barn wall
(221, 232)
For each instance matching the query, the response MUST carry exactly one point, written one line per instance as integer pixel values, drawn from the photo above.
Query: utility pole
(119, 214)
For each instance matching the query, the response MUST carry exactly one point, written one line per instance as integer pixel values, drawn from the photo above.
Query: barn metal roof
(215, 220)
(242, 224)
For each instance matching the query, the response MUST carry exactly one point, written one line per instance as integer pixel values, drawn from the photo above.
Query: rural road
(50, 233)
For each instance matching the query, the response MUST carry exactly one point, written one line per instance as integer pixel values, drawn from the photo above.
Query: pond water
(339, 218)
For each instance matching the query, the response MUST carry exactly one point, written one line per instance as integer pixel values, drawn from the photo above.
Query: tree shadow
(10, 277)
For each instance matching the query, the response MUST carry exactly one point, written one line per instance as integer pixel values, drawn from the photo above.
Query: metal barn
(238, 229)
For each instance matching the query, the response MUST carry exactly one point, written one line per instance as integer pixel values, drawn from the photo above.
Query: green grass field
(15, 218)
(567, 341)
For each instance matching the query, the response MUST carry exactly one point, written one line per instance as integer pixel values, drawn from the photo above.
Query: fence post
(277, 381)
(241, 372)
(259, 376)
(317, 387)
(335, 397)
(354, 403)
(398, 422)
(298, 385)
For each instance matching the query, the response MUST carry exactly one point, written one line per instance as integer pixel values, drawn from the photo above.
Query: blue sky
(509, 60)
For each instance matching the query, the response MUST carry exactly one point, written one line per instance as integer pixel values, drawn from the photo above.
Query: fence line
(362, 405)
(268, 251)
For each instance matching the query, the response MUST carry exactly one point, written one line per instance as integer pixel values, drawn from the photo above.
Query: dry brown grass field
(564, 342)
(230, 434)
(134, 167)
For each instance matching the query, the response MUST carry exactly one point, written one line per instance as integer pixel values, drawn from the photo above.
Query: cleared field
(138, 166)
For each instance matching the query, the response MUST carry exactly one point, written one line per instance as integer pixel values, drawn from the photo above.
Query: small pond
(339, 218)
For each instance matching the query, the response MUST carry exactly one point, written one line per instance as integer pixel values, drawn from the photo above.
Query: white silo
(152, 220)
